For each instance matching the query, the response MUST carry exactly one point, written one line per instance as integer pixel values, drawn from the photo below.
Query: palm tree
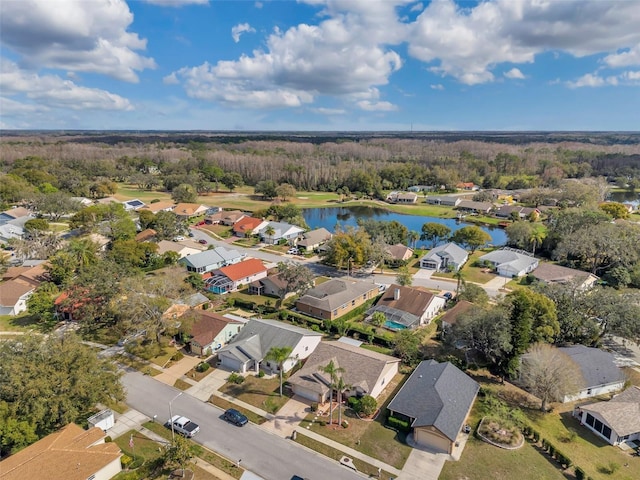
(535, 238)
(84, 251)
(459, 276)
(413, 237)
(331, 370)
(269, 232)
(279, 355)
(341, 386)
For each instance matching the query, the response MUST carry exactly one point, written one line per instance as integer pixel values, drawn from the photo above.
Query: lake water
(348, 216)
(625, 197)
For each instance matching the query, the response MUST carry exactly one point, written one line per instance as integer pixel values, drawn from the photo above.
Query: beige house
(366, 372)
(71, 453)
(335, 298)
(552, 273)
(188, 210)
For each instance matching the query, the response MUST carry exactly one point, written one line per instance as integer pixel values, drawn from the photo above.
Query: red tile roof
(246, 224)
(243, 269)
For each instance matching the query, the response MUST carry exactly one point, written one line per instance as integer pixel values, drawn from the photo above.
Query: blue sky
(320, 65)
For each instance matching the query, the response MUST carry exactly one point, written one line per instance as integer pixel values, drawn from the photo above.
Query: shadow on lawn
(565, 473)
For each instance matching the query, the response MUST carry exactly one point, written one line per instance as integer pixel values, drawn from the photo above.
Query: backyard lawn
(262, 392)
(19, 323)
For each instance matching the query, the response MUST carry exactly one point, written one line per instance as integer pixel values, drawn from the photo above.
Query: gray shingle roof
(362, 368)
(436, 394)
(336, 292)
(314, 237)
(452, 250)
(597, 366)
(259, 336)
(622, 412)
(518, 261)
(215, 256)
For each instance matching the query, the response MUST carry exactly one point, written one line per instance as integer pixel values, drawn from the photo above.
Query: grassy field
(20, 323)
(262, 392)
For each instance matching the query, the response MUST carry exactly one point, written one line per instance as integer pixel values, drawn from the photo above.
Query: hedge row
(398, 424)
(553, 452)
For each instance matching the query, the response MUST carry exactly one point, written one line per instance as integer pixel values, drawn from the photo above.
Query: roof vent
(396, 294)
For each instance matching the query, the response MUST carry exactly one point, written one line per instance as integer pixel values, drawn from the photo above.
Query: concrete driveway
(289, 417)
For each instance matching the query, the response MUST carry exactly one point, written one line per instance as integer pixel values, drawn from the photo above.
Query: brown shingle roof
(158, 206)
(552, 273)
(11, 291)
(71, 453)
(208, 326)
(621, 413)
(188, 209)
(32, 275)
(451, 317)
(411, 300)
(145, 235)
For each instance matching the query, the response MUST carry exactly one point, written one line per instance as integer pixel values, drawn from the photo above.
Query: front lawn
(470, 273)
(19, 323)
(145, 454)
(259, 392)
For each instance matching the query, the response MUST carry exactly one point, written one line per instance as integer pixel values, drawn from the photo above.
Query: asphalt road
(261, 452)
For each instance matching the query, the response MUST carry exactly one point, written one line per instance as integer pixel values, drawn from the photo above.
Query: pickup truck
(183, 426)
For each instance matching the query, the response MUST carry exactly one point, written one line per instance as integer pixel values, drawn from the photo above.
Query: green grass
(257, 299)
(140, 365)
(182, 385)
(263, 393)
(224, 404)
(331, 452)
(20, 323)
(469, 272)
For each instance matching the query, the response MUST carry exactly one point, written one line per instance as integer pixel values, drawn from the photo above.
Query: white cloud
(593, 80)
(417, 7)
(467, 43)
(329, 111)
(75, 35)
(176, 3)
(624, 59)
(51, 91)
(239, 29)
(437, 86)
(373, 106)
(514, 73)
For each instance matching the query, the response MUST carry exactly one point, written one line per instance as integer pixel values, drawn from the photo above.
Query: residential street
(266, 454)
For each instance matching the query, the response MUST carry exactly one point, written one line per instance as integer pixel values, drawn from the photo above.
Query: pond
(348, 216)
(625, 197)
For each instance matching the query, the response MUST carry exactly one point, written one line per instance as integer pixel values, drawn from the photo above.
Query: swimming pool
(394, 325)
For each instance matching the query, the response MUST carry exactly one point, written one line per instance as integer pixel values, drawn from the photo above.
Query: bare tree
(549, 374)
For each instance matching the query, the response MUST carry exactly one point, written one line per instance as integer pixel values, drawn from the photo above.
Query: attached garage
(231, 363)
(309, 394)
(432, 439)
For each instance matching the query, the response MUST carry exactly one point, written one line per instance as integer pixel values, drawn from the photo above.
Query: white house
(443, 257)
(232, 277)
(281, 231)
(511, 263)
(600, 373)
(247, 351)
(14, 296)
(212, 259)
(617, 421)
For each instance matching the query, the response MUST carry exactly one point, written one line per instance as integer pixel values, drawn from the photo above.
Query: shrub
(345, 424)
(284, 315)
(536, 436)
(398, 424)
(322, 423)
(108, 439)
(354, 404)
(235, 378)
(261, 374)
(126, 460)
(580, 474)
(203, 367)
(314, 407)
(368, 405)
(177, 356)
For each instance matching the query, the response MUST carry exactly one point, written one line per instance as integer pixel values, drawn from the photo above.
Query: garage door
(432, 440)
(231, 363)
(305, 393)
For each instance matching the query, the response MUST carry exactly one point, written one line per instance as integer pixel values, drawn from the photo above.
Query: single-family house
(84, 201)
(407, 307)
(210, 332)
(165, 246)
(274, 232)
(421, 188)
(247, 350)
(313, 239)
(449, 256)
(335, 298)
(248, 226)
(444, 200)
(15, 213)
(231, 277)
(475, 207)
(178, 308)
(601, 374)
(107, 200)
(135, 204)
(366, 372)
(227, 218)
(211, 259)
(467, 186)
(14, 296)
(189, 210)
(507, 211)
(511, 263)
(399, 253)
(270, 285)
(161, 206)
(617, 421)
(436, 400)
(71, 453)
(552, 273)
(11, 229)
(146, 235)
(450, 317)
(402, 197)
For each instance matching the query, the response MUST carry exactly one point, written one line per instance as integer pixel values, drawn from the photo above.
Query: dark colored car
(234, 416)
(202, 241)
(296, 477)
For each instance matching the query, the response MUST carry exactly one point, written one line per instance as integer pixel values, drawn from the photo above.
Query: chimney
(396, 294)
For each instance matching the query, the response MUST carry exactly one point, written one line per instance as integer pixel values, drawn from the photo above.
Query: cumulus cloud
(374, 106)
(467, 43)
(239, 29)
(628, 58)
(75, 35)
(514, 73)
(51, 91)
(437, 86)
(628, 78)
(337, 57)
(329, 111)
(176, 3)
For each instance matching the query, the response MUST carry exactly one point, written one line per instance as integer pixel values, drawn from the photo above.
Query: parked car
(447, 295)
(234, 416)
(179, 238)
(183, 426)
(202, 241)
(190, 234)
(293, 251)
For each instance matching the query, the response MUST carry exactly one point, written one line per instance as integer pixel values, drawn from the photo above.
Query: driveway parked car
(234, 416)
(293, 251)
